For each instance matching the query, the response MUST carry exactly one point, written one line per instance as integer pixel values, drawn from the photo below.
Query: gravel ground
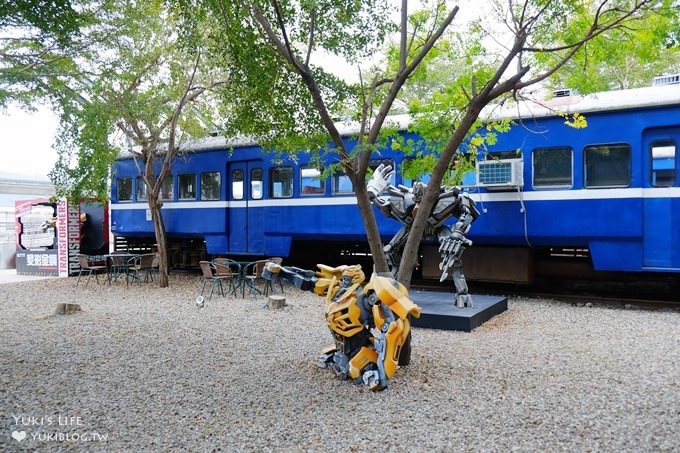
(143, 369)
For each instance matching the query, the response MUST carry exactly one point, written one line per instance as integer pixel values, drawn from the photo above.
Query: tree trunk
(410, 252)
(371, 226)
(409, 256)
(161, 241)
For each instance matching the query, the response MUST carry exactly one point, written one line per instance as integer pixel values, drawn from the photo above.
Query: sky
(26, 142)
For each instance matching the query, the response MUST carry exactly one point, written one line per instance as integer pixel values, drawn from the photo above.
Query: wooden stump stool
(67, 309)
(276, 302)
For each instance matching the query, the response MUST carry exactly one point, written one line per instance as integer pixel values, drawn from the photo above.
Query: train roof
(607, 101)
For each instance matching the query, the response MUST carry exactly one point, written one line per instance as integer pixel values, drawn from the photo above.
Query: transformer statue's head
(418, 191)
(352, 275)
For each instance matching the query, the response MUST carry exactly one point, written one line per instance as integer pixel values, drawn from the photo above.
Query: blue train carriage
(236, 200)
(608, 192)
(604, 195)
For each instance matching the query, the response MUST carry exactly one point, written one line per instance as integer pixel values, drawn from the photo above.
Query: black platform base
(438, 311)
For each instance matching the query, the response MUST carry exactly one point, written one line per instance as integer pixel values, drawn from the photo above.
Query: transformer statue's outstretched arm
(369, 322)
(402, 203)
(452, 244)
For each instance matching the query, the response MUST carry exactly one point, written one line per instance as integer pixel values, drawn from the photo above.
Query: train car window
(311, 181)
(187, 186)
(237, 184)
(514, 154)
(553, 167)
(124, 189)
(142, 192)
(607, 165)
(256, 184)
(663, 164)
(167, 188)
(341, 184)
(281, 182)
(211, 185)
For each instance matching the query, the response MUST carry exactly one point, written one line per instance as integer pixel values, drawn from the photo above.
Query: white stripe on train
(486, 197)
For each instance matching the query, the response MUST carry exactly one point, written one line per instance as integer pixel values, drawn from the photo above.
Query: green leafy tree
(627, 58)
(34, 36)
(515, 47)
(282, 93)
(52, 20)
(127, 82)
(149, 96)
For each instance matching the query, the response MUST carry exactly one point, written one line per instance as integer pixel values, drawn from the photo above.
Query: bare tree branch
(186, 97)
(593, 32)
(306, 76)
(282, 27)
(364, 103)
(310, 45)
(595, 29)
(403, 35)
(266, 27)
(431, 42)
(122, 126)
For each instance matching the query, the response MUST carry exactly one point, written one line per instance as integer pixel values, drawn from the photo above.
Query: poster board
(51, 234)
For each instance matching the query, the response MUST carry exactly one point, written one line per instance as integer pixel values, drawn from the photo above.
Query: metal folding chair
(142, 264)
(210, 275)
(86, 266)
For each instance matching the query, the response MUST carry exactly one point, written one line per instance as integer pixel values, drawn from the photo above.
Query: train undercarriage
(496, 264)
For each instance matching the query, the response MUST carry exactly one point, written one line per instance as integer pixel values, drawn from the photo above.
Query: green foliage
(575, 120)
(114, 70)
(268, 100)
(38, 45)
(471, 57)
(55, 20)
(419, 165)
(123, 91)
(627, 57)
(82, 168)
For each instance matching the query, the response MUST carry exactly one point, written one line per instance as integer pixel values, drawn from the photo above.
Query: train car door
(246, 213)
(661, 148)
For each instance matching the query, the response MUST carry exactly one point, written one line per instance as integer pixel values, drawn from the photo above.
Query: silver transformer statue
(401, 203)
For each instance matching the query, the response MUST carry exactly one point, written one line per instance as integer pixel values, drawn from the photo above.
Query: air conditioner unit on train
(500, 173)
(673, 79)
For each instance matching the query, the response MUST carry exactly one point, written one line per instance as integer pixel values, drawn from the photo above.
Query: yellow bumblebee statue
(369, 322)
